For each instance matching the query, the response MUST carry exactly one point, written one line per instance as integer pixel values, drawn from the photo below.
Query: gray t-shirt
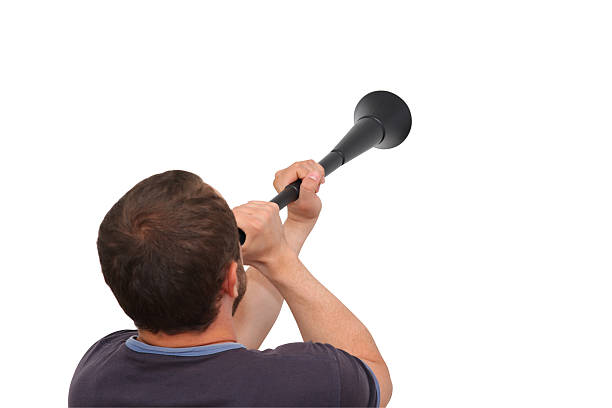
(119, 370)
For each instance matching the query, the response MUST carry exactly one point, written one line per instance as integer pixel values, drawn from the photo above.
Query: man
(170, 252)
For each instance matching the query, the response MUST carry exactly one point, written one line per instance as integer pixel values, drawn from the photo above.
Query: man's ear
(230, 284)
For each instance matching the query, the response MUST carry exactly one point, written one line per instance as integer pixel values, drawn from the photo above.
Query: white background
(478, 253)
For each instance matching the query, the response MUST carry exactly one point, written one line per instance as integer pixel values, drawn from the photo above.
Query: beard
(242, 284)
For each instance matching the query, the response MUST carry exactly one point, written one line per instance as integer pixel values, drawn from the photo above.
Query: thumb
(310, 186)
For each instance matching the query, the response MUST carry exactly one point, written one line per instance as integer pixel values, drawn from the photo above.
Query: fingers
(260, 221)
(298, 170)
(310, 186)
(252, 216)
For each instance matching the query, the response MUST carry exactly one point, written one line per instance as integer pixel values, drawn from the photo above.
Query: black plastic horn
(382, 120)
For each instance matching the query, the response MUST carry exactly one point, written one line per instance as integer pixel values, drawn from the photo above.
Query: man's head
(166, 248)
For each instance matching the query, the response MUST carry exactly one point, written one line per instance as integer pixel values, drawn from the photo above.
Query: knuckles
(256, 215)
(305, 165)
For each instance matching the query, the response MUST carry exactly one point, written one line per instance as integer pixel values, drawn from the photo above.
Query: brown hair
(165, 247)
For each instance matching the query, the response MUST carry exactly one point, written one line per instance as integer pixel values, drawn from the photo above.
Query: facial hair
(242, 285)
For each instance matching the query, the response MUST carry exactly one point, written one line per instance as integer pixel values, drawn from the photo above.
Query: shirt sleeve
(358, 385)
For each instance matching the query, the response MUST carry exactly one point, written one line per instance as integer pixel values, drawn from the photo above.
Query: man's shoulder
(297, 361)
(112, 339)
(300, 351)
(96, 356)
(317, 369)
(106, 345)
(119, 335)
(306, 372)
(286, 361)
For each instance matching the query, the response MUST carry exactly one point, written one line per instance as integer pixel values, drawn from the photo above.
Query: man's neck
(220, 331)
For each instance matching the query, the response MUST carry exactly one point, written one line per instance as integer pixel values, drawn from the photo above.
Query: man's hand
(265, 238)
(305, 210)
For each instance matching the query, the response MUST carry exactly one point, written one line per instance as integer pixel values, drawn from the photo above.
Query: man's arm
(262, 302)
(321, 317)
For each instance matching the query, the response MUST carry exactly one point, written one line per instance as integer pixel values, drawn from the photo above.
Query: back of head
(164, 249)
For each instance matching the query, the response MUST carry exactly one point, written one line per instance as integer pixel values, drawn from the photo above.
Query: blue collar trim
(140, 347)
